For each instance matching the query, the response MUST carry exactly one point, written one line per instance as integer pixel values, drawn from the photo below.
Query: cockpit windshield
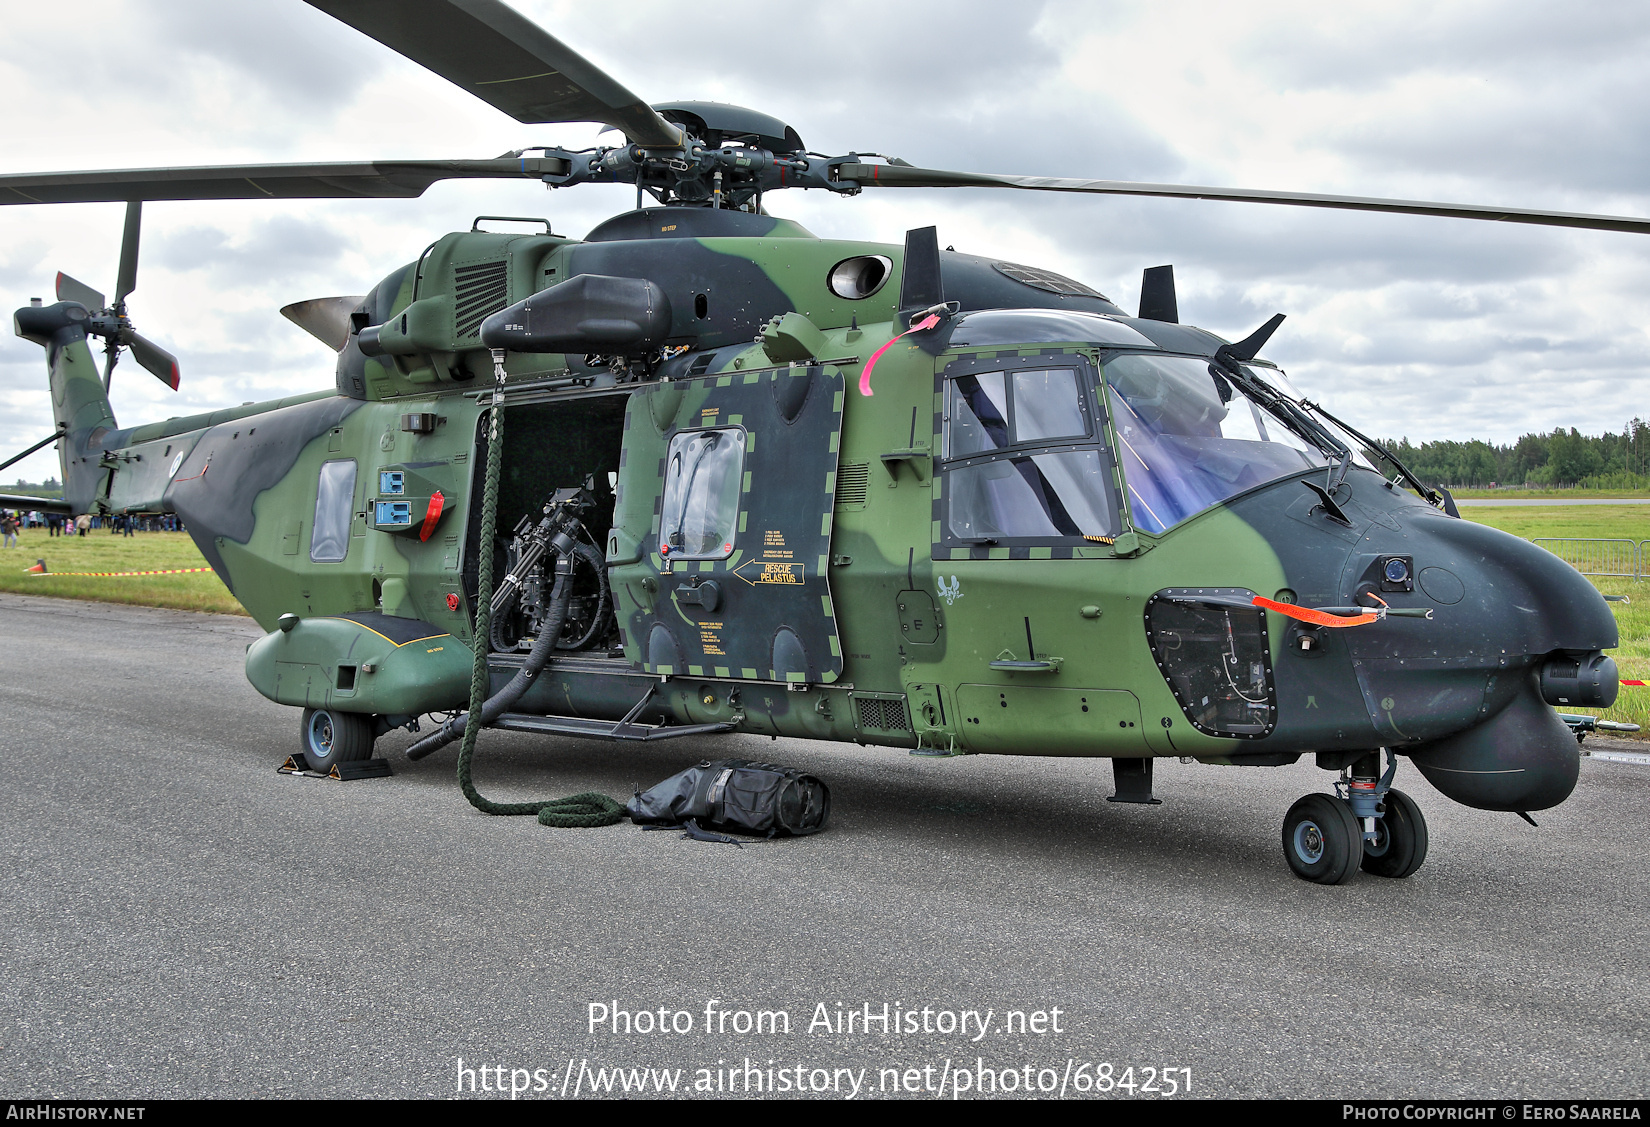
(1188, 440)
(1365, 452)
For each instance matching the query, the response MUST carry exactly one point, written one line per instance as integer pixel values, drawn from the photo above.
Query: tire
(328, 738)
(1322, 841)
(1401, 839)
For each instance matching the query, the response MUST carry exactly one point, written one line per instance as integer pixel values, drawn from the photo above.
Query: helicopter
(731, 477)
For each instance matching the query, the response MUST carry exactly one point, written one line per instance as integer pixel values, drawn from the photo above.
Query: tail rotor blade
(127, 281)
(68, 289)
(156, 359)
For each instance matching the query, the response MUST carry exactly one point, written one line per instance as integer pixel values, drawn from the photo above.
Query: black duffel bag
(737, 795)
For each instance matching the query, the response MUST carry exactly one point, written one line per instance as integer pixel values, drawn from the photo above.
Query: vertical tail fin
(80, 405)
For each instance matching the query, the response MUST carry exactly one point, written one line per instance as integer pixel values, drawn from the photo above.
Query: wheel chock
(343, 772)
(361, 769)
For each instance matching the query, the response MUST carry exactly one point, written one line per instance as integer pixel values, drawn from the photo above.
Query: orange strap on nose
(1317, 617)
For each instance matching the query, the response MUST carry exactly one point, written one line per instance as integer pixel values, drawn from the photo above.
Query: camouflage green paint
(338, 663)
(1107, 696)
(918, 622)
(408, 577)
(80, 408)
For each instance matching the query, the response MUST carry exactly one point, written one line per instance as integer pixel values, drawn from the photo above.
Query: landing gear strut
(1400, 843)
(1367, 824)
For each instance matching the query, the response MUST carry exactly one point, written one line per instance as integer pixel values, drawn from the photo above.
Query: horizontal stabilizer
(21, 502)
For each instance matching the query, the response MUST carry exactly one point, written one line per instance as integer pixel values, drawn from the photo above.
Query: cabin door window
(334, 506)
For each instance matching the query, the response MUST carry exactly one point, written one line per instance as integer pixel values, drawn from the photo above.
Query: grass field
(1598, 522)
(1544, 494)
(1592, 522)
(99, 551)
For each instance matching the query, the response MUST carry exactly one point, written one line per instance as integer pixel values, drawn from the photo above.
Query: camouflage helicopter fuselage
(862, 592)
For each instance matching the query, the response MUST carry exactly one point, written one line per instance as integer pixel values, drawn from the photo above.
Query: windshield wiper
(1229, 359)
(1428, 494)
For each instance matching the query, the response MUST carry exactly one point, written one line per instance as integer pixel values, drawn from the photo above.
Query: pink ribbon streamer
(927, 322)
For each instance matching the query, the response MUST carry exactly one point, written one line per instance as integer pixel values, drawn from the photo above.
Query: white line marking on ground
(1620, 757)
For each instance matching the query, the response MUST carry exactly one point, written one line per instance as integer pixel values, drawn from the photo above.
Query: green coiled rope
(580, 811)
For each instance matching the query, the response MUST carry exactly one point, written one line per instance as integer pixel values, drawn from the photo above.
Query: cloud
(281, 245)
(1430, 327)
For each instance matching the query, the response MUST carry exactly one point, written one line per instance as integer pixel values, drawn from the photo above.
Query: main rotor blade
(905, 176)
(68, 289)
(156, 359)
(127, 280)
(393, 179)
(324, 318)
(506, 60)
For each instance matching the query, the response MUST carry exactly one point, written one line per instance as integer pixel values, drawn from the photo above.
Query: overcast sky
(1428, 328)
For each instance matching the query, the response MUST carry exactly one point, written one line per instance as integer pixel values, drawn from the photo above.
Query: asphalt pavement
(180, 920)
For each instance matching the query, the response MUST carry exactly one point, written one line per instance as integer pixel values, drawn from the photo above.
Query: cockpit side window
(1023, 456)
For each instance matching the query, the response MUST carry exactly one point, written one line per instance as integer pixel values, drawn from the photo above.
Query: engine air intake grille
(479, 290)
(852, 481)
(882, 714)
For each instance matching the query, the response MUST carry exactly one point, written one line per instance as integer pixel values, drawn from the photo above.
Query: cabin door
(720, 551)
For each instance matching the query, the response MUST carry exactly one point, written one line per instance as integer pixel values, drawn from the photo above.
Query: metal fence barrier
(1623, 558)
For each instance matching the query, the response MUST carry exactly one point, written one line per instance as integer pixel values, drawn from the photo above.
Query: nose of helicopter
(1492, 587)
(1466, 694)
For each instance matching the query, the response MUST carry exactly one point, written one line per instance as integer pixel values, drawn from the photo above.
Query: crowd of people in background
(58, 524)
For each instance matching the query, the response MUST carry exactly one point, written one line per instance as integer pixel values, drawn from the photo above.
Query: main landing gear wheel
(329, 738)
(1322, 841)
(1400, 843)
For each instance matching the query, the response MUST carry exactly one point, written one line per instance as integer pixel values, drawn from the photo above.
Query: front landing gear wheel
(1400, 843)
(329, 738)
(1322, 841)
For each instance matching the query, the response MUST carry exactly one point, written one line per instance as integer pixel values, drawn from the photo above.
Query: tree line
(48, 488)
(1564, 458)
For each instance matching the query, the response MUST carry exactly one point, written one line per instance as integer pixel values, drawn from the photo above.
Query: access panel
(995, 719)
(720, 550)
